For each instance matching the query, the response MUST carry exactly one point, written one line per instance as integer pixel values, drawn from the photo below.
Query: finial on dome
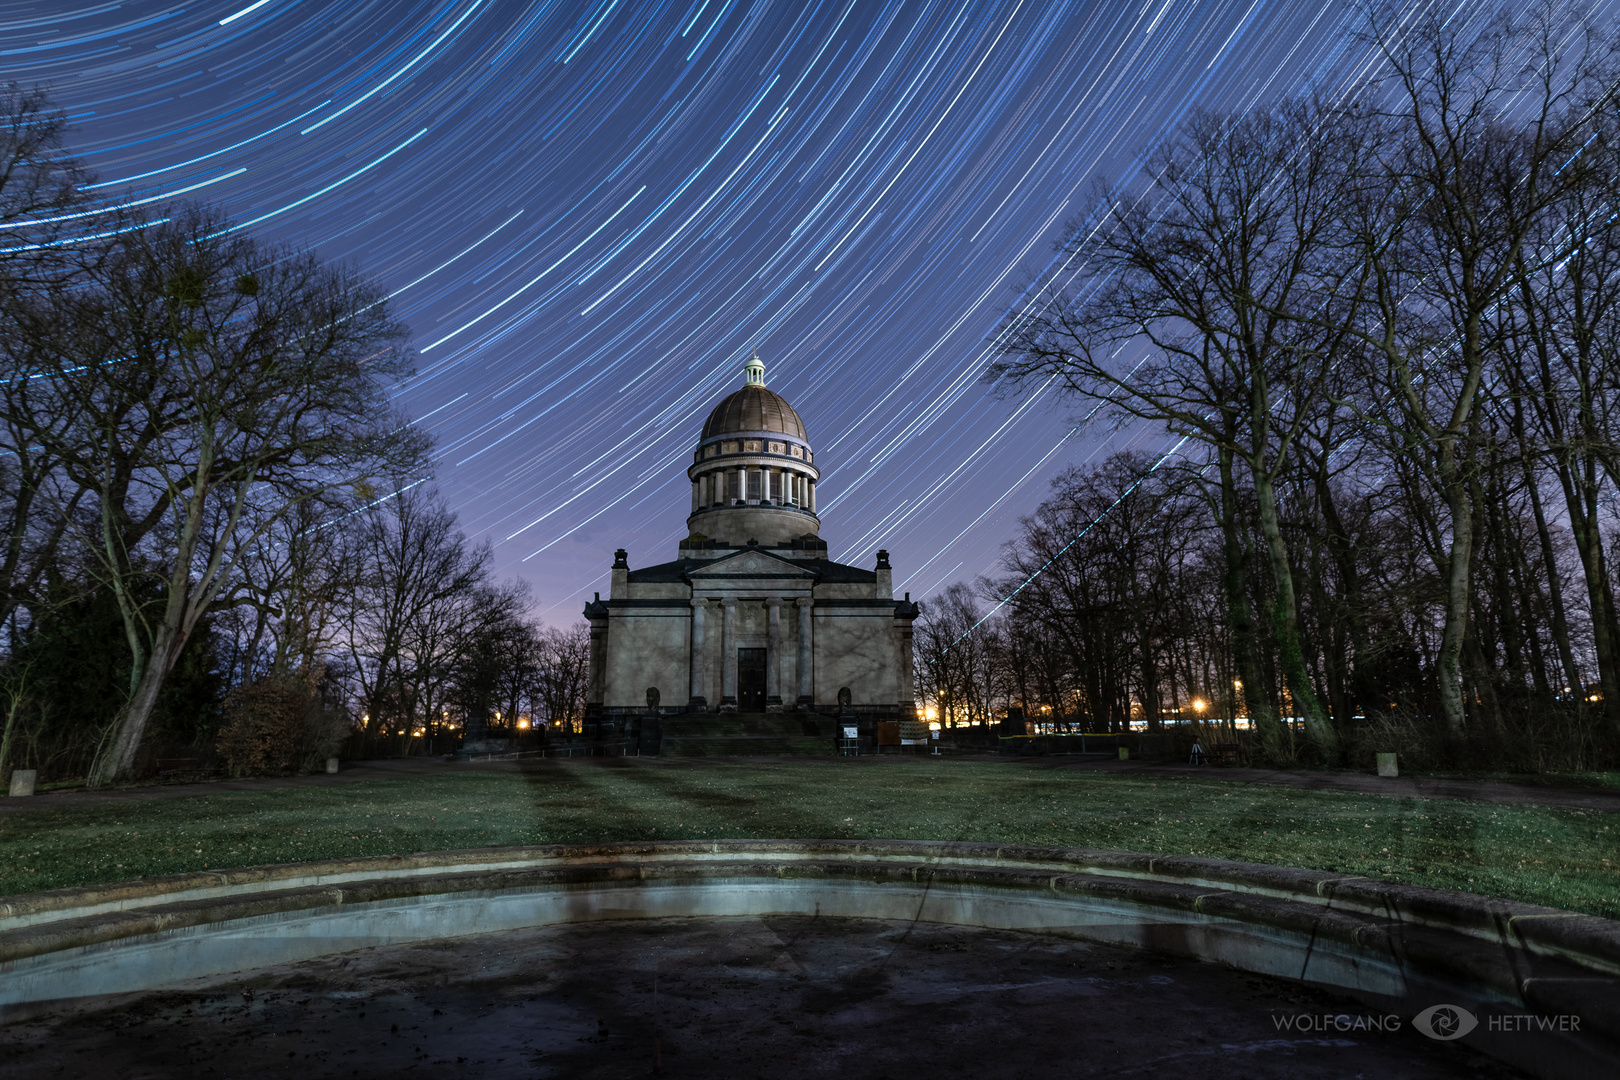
(754, 372)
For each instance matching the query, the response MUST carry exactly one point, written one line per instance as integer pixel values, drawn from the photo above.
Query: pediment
(752, 564)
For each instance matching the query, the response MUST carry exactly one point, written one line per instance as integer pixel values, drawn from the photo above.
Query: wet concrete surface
(747, 997)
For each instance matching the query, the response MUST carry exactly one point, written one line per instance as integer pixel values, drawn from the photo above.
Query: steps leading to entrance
(746, 734)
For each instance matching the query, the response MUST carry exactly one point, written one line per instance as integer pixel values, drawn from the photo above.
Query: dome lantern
(754, 372)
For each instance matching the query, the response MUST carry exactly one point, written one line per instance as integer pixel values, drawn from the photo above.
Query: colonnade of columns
(784, 487)
(700, 661)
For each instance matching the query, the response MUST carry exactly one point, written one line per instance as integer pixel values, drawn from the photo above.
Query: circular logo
(1445, 1022)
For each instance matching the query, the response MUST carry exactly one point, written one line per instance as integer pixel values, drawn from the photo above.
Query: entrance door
(750, 680)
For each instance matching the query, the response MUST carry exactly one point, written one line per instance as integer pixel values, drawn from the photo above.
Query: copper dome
(754, 408)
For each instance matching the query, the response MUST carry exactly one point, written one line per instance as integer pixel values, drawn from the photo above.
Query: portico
(794, 627)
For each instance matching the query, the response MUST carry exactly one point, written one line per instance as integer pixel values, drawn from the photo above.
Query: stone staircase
(747, 735)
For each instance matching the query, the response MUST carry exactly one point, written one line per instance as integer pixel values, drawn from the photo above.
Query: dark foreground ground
(771, 997)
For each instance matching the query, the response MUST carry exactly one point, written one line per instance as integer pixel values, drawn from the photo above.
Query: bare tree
(420, 584)
(952, 644)
(214, 385)
(558, 692)
(292, 586)
(41, 203)
(1188, 310)
(1488, 131)
(1562, 376)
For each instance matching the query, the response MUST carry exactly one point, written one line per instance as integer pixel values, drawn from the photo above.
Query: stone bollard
(1387, 766)
(22, 781)
(1124, 753)
(331, 764)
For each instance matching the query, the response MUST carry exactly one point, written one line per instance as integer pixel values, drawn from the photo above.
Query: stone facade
(752, 616)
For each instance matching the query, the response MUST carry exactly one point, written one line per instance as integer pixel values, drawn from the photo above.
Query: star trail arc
(591, 214)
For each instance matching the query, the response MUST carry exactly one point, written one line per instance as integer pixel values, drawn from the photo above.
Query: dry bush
(1528, 741)
(1416, 741)
(279, 724)
(326, 728)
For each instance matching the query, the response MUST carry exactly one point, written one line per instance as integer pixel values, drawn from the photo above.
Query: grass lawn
(1557, 857)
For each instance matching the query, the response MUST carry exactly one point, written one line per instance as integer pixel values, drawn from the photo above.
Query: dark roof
(669, 571)
(754, 408)
(843, 574)
(826, 572)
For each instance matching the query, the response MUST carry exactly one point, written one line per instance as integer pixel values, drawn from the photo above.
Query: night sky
(591, 214)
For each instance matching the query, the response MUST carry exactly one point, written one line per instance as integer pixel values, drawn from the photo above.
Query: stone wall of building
(648, 646)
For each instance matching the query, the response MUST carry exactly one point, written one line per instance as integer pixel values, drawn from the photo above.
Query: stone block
(1387, 766)
(22, 781)
(332, 765)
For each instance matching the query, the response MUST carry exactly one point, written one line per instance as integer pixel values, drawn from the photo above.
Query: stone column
(728, 656)
(596, 677)
(806, 684)
(773, 654)
(700, 611)
(908, 695)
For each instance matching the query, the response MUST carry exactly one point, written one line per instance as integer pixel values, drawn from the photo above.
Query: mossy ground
(1562, 858)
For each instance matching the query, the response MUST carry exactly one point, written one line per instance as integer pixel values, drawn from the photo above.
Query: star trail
(590, 215)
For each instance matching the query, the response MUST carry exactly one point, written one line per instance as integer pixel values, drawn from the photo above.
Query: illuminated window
(753, 484)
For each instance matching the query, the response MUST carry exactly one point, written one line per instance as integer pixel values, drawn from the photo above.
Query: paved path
(1606, 800)
(1409, 787)
(352, 771)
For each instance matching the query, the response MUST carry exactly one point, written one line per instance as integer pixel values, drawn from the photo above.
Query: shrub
(279, 724)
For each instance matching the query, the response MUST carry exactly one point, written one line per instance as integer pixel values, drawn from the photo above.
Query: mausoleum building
(752, 615)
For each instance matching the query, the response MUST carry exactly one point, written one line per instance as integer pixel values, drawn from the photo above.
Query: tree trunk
(1285, 622)
(1448, 662)
(1555, 588)
(1239, 616)
(117, 762)
(1583, 522)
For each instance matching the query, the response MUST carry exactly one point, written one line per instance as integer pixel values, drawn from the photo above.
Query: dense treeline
(1383, 340)
(216, 528)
